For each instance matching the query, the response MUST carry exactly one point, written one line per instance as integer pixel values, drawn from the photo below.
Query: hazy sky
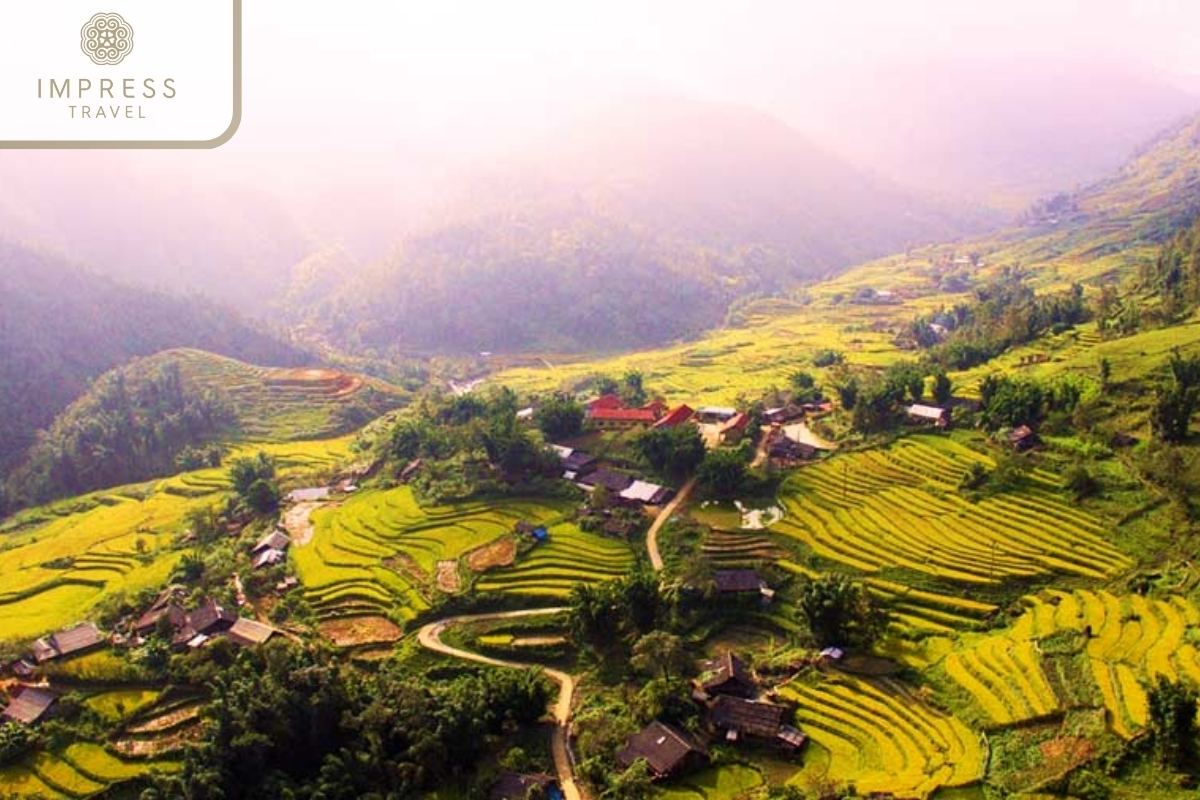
(416, 89)
(424, 68)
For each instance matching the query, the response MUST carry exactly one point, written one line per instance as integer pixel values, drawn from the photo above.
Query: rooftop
(747, 716)
(926, 412)
(623, 415)
(308, 495)
(737, 580)
(644, 492)
(664, 747)
(248, 632)
(29, 706)
(275, 540)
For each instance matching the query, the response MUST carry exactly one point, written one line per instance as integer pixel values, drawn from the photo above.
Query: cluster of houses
(609, 412)
(1021, 438)
(586, 472)
(193, 629)
(187, 629)
(733, 709)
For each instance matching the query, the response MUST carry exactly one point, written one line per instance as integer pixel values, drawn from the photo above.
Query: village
(734, 707)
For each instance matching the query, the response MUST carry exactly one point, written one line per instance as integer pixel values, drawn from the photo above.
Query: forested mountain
(631, 228)
(178, 409)
(134, 423)
(60, 327)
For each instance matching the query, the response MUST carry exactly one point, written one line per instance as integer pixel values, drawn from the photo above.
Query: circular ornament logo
(107, 39)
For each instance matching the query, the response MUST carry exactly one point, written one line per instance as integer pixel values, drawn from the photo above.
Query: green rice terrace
(381, 552)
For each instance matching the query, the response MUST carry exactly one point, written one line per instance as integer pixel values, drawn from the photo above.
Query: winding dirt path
(664, 515)
(430, 637)
(297, 521)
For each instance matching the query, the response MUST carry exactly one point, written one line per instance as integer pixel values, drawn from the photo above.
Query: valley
(708, 511)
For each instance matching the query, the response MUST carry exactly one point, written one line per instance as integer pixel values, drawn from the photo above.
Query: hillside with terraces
(1021, 563)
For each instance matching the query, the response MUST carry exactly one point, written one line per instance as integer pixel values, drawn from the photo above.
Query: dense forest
(293, 721)
(133, 424)
(61, 327)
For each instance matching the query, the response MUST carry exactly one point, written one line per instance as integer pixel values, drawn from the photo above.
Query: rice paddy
(882, 738)
(378, 552)
(59, 561)
(1123, 643)
(898, 507)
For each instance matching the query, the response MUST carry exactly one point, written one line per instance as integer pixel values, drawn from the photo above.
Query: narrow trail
(430, 637)
(664, 515)
(760, 455)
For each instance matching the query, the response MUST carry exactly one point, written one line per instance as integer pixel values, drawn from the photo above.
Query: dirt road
(430, 637)
(664, 515)
(297, 521)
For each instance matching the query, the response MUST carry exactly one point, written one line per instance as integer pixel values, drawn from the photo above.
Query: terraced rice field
(82, 770)
(729, 549)
(1006, 678)
(919, 611)
(882, 738)
(59, 561)
(1132, 639)
(116, 705)
(378, 552)
(898, 507)
(570, 556)
(285, 404)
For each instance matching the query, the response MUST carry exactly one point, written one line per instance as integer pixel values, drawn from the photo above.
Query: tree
(1176, 399)
(722, 473)
(876, 405)
(641, 601)
(827, 358)
(632, 784)
(1105, 372)
(1008, 403)
(243, 472)
(838, 611)
(659, 653)
(559, 418)
(804, 387)
(1080, 482)
(942, 388)
(204, 523)
(674, 451)
(262, 496)
(596, 615)
(1173, 723)
(848, 393)
(632, 391)
(15, 741)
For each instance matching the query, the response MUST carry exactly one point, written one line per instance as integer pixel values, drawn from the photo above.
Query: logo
(181, 89)
(107, 39)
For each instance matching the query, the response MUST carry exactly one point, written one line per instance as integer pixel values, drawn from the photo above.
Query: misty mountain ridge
(631, 229)
(61, 326)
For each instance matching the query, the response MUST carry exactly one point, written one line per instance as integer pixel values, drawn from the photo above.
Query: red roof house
(676, 416)
(622, 417)
(603, 401)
